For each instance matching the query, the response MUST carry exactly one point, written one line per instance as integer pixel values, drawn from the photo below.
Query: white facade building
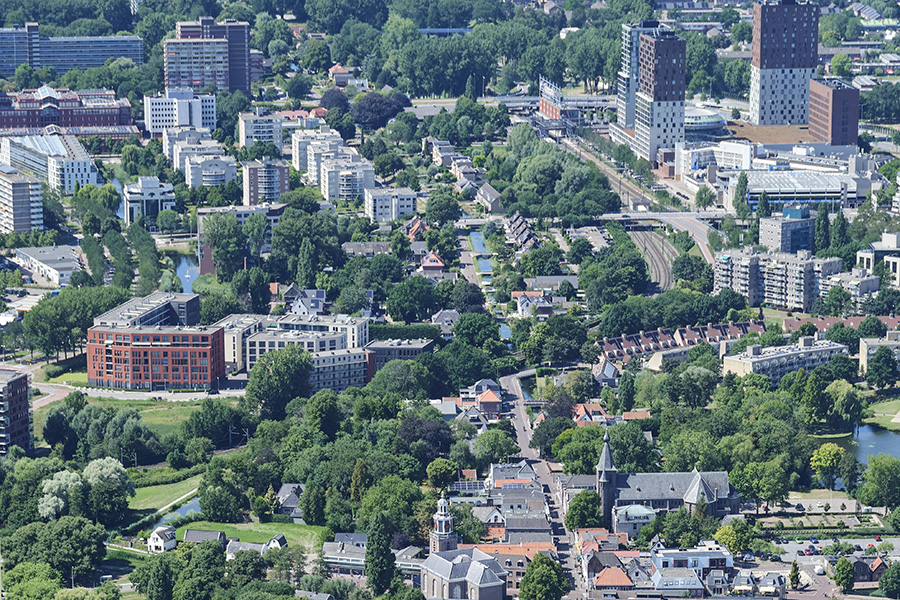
(179, 108)
(173, 135)
(318, 151)
(256, 127)
(302, 138)
(209, 171)
(60, 160)
(191, 148)
(147, 197)
(779, 96)
(345, 178)
(657, 124)
(389, 204)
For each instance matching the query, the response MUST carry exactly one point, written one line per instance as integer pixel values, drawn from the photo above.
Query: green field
(78, 378)
(157, 496)
(307, 536)
(884, 413)
(162, 417)
(123, 558)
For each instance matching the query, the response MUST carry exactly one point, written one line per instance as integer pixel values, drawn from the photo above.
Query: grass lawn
(884, 413)
(79, 378)
(308, 536)
(123, 558)
(695, 251)
(157, 496)
(818, 495)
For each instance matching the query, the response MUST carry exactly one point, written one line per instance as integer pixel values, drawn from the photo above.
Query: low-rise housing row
(777, 361)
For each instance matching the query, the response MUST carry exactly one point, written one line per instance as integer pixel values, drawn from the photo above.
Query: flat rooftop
(419, 343)
(771, 134)
(58, 257)
(799, 181)
(125, 313)
(7, 375)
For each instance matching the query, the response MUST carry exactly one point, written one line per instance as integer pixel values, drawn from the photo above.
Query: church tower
(442, 536)
(606, 481)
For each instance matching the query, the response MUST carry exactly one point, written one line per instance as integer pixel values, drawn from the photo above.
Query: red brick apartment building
(154, 343)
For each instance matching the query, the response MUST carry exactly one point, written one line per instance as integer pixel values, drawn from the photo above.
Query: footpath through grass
(883, 414)
(155, 497)
(306, 536)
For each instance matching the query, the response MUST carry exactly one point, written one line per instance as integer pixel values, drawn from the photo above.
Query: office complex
(628, 73)
(209, 171)
(833, 111)
(785, 54)
(790, 281)
(62, 107)
(389, 204)
(21, 208)
(205, 52)
(273, 213)
(24, 45)
(791, 231)
(155, 343)
(179, 108)
(661, 85)
(302, 138)
(16, 420)
(259, 127)
(147, 198)
(777, 361)
(265, 180)
(60, 160)
(345, 177)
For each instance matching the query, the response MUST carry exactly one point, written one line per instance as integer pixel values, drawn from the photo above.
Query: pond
(187, 269)
(870, 440)
(120, 210)
(478, 243)
(193, 504)
(505, 331)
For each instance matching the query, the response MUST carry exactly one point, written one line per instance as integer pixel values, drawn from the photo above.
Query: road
(513, 389)
(659, 254)
(467, 261)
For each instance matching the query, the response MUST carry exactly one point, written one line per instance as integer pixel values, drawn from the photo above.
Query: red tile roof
(612, 577)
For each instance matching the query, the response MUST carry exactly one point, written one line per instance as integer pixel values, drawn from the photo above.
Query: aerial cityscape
(449, 299)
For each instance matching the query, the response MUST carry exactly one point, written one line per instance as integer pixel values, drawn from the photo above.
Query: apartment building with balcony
(265, 180)
(302, 138)
(209, 171)
(258, 126)
(16, 418)
(777, 361)
(383, 205)
(345, 178)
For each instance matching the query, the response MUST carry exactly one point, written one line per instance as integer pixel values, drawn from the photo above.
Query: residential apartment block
(60, 160)
(661, 86)
(629, 71)
(24, 45)
(777, 361)
(209, 171)
(64, 108)
(273, 213)
(858, 282)
(340, 369)
(172, 135)
(195, 147)
(147, 198)
(179, 108)
(791, 281)
(785, 55)
(217, 50)
(387, 350)
(258, 126)
(155, 343)
(196, 63)
(265, 180)
(383, 205)
(21, 206)
(345, 178)
(868, 347)
(16, 420)
(833, 111)
(302, 138)
(791, 231)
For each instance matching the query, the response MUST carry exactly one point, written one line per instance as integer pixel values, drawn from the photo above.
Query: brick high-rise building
(661, 85)
(237, 40)
(265, 180)
(785, 51)
(16, 427)
(833, 111)
(628, 73)
(155, 343)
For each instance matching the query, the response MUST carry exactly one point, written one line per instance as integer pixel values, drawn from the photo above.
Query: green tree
(442, 472)
(379, 562)
(840, 65)
(794, 575)
(705, 198)
(224, 235)
(413, 299)
(360, 481)
(494, 445)
(476, 328)
(323, 413)
(256, 231)
(889, 584)
(547, 432)
(626, 391)
(882, 368)
(839, 236)
(159, 583)
(735, 537)
(31, 581)
(882, 481)
(822, 229)
(740, 194)
(762, 206)
(277, 378)
(442, 207)
(544, 580)
(844, 573)
(826, 462)
(584, 511)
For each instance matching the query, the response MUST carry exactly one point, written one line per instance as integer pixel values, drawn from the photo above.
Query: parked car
(814, 540)
(858, 548)
(877, 538)
(799, 507)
